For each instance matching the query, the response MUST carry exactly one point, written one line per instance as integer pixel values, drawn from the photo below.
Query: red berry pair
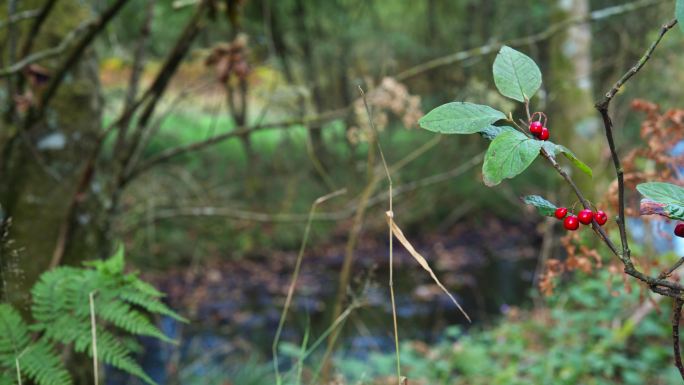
(539, 131)
(585, 217)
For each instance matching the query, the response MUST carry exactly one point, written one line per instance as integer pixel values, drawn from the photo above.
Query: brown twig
(659, 284)
(136, 73)
(67, 64)
(36, 26)
(546, 34)
(45, 54)
(676, 317)
(19, 16)
(602, 107)
(238, 132)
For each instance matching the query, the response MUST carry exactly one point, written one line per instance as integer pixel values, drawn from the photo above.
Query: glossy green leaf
(543, 206)
(516, 75)
(491, 132)
(508, 155)
(460, 118)
(574, 160)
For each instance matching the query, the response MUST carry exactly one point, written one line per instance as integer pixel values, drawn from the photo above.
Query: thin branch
(136, 72)
(671, 270)
(660, 284)
(19, 16)
(94, 29)
(526, 40)
(676, 316)
(36, 26)
(409, 73)
(585, 203)
(160, 83)
(639, 64)
(45, 54)
(238, 132)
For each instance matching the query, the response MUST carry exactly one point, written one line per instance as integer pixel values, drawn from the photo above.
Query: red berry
(585, 216)
(561, 212)
(600, 217)
(535, 128)
(679, 230)
(544, 134)
(571, 223)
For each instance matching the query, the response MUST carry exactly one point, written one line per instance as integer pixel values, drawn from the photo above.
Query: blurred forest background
(198, 133)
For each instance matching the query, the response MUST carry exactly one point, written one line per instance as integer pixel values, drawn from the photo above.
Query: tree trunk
(572, 118)
(43, 163)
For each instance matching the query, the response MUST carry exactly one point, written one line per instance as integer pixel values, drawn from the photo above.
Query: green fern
(61, 310)
(34, 360)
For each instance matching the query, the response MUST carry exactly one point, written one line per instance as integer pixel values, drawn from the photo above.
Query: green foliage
(491, 132)
(670, 196)
(662, 192)
(511, 151)
(35, 360)
(679, 13)
(460, 118)
(587, 334)
(516, 75)
(543, 206)
(574, 160)
(509, 154)
(61, 309)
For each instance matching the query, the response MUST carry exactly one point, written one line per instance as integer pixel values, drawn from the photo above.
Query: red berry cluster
(571, 222)
(539, 131)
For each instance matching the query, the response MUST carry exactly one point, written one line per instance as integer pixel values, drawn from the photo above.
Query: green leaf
(543, 206)
(516, 75)
(679, 13)
(508, 155)
(460, 118)
(663, 199)
(662, 192)
(550, 147)
(574, 160)
(491, 132)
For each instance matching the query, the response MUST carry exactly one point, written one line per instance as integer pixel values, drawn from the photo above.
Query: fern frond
(112, 352)
(41, 364)
(124, 317)
(37, 360)
(150, 304)
(61, 310)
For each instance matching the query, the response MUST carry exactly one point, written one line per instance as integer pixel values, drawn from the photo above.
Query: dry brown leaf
(420, 259)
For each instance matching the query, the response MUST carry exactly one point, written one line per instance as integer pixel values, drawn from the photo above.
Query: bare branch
(238, 132)
(36, 26)
(526, 40)
(660, 284)
(94, 28)
(676, 317)
(45, 54)
(158, 86)
(19, 16)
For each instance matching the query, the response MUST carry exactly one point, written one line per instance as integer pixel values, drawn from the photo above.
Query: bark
(301, 15)
(572, 119)
(43, 163)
